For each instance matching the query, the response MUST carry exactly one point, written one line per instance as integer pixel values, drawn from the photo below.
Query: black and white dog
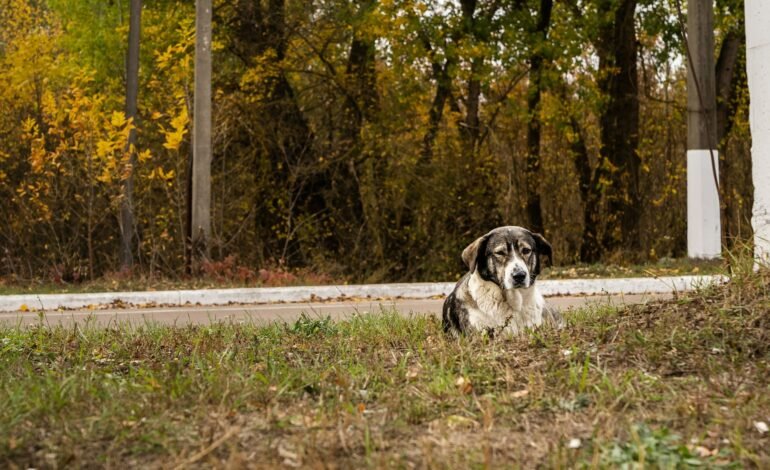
(498, 294)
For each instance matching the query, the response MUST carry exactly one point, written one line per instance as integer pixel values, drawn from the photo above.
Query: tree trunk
(619, 121)
(188, 202)
(728, 81)
(534, 93)
(590, 248)
(361, 73)
(470, 126)
(443, 93)
(132, 91)
(361, 105)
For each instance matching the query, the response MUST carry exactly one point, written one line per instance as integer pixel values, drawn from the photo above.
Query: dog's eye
(526, 251)
(501, 253)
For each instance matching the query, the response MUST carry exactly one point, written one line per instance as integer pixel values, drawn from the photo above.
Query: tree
(616, 177)
(537, 63)
(132, 91)
(734, 175)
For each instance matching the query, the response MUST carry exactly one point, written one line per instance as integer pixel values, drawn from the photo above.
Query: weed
(659, 448)
(309, 327)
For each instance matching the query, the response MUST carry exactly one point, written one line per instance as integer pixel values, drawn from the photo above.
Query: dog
(498, 294)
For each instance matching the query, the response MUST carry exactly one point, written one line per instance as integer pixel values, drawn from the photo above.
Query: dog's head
(508, 256)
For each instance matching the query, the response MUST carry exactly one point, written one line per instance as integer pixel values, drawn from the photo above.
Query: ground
(670, 384)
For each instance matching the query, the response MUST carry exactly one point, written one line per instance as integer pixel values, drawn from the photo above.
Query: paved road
(267, 313)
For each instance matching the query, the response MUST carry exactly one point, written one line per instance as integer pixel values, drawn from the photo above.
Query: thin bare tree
(132, 91)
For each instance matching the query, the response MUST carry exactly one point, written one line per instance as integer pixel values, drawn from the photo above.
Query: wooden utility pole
(703, 224)
(132, 92)
(757, 63)
(201, 170)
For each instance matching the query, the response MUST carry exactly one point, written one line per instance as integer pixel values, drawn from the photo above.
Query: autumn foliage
(367, 139)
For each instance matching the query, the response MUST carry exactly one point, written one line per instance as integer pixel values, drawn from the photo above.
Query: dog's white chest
(513, 309)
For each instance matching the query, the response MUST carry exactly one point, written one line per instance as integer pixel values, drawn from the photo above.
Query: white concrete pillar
(758, 72)
(704, 237)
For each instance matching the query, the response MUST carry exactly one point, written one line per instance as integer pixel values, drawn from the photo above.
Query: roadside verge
(264, 295)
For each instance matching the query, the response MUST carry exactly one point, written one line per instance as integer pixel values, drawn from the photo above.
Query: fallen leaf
(457, 421)
(413, 372)
(701, 451)
(464, 385)
(289, 458)
(761, 426)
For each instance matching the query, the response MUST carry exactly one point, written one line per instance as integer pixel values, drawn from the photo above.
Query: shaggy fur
(498, 294)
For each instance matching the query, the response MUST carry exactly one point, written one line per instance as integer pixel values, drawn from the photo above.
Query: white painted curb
(11, 303)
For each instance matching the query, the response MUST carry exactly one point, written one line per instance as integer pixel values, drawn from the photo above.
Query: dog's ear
(471, 252)
(542, 248)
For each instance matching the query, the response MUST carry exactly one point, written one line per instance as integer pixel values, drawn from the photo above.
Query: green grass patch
(669, 384)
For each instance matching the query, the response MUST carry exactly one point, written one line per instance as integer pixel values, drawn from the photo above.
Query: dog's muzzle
(519, 279)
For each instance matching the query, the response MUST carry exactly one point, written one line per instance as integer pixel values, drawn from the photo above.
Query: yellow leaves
(175, 136)
(29, 126)
(37, 155)
(163, 59)
(36, 142)
(107, 173)
(118, 119)
(252, 81)
(176, 57)
(144, 156)
(159, 173)
(104, 148)
(112, 150)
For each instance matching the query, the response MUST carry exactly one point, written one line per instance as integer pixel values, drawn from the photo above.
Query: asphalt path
(262, 314)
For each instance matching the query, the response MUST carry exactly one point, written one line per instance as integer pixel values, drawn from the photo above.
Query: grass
(232, 276)
(670, 384)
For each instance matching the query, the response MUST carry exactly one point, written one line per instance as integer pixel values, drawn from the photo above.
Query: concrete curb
(11, 303)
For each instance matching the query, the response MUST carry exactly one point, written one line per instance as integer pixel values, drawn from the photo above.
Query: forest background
(368, 140)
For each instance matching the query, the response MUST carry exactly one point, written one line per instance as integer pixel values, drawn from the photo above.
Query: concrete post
(201, 170)
(758, 71)
(703, 223)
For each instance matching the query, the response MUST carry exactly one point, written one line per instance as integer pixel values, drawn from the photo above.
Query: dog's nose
(519, 277)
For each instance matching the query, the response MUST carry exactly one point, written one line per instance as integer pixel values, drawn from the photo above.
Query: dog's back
(454, 314)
